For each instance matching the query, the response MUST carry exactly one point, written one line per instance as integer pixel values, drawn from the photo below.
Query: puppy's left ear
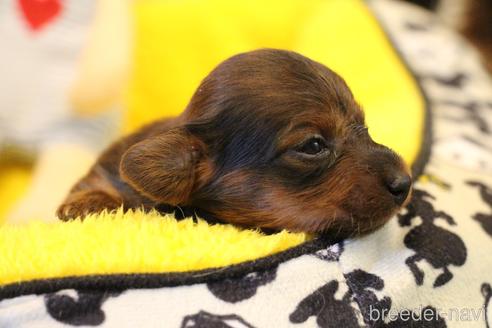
(166, 168)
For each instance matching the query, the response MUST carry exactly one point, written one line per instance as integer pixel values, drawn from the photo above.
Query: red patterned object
(38, 13)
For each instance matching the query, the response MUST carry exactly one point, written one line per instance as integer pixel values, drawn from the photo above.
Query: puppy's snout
(399, 186)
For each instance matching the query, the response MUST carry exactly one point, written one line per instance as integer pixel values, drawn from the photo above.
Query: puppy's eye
(313, 146)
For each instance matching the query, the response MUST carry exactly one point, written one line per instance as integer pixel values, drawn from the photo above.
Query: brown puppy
(270, 139)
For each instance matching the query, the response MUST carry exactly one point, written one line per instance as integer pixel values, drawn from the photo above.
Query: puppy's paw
(80, 204)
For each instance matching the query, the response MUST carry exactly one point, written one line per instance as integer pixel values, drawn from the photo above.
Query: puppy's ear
(166, 168)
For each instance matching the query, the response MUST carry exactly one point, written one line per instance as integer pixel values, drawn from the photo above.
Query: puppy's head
(273, 139)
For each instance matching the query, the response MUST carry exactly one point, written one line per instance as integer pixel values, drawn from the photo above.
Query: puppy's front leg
(81, 203)
(102, 188)
(92, 194)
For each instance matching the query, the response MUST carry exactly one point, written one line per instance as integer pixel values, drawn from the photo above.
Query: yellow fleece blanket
(177, 44)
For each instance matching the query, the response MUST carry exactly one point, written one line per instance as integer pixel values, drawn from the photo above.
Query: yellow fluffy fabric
(177, 44)
(131, 242)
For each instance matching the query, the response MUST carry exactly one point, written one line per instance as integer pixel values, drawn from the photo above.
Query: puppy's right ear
(166, 168)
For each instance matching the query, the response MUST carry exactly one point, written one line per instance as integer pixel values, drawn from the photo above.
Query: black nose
(399, 186)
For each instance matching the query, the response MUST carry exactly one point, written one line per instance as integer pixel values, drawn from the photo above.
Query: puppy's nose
(399, 186)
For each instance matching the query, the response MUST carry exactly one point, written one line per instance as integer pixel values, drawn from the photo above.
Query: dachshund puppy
(270, 139)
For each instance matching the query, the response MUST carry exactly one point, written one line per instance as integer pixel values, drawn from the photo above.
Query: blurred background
(75, 75)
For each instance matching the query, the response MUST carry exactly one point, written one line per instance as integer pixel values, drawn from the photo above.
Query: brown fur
(247, 151)
(477, 28)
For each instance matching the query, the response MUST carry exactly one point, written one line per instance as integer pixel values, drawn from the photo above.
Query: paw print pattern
(208, 320)
(82, 310)
(239, 289)
(362, 285)
(329, 311)
(484, 219)
(439, 247)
